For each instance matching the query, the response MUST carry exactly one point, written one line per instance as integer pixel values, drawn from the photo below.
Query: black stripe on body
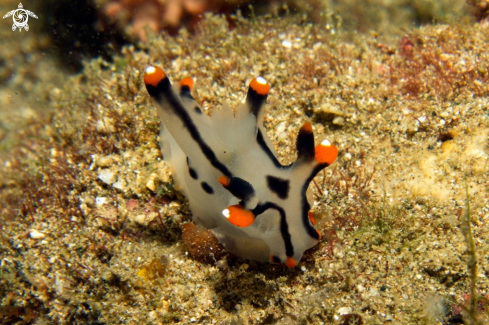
(305, 145)
(185, 92)
(255, 101)
(305, 206)
(267, 150)
(164, 92)
(284, 227)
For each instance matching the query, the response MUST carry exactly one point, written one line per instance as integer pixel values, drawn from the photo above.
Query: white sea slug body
(227, 168)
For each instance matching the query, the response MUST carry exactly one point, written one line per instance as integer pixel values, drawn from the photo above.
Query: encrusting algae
(91, 222)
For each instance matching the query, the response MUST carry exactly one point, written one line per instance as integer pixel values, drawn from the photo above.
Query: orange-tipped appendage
(224, 180)
(326, 153)
(238, 216)
(290, 262)
(311, 217)
(188, 81)
(307, 127)
(260, 85)
(153, 75)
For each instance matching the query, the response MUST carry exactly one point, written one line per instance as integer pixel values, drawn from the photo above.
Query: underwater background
(93, 231)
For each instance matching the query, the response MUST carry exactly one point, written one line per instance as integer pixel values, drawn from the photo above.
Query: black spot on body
(207, 188)
(192, 171)
(278, 186)
(198, 110)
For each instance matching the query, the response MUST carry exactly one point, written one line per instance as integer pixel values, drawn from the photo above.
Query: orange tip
(260, 85)
(188, 81)
(326, 153)
(274, 259)
(238, 216)
(291, 262)
(153, 75)
(311, 217)
(224, 180)
(307, 127)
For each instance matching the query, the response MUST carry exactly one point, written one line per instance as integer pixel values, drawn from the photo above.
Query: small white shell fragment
(281, 127)
(287, 44)
(120, 184)
(34, 234)
(107, 176)
(100, 200)
(421, 119)
(145, 219)
(344, 310)
(150, 184)
(338, 120)
(58, 284)
(139, 219)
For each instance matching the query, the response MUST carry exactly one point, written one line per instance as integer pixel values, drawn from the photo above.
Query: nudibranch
(227, 167)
